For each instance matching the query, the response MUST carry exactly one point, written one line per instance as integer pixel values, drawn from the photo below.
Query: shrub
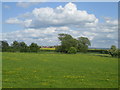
(72, 50)
(113, 51)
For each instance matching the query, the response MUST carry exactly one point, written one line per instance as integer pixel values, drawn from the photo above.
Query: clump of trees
(114, 52)
(18, 47)
(34, 47)
(72, 45)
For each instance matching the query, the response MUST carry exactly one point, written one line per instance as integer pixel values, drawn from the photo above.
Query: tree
(34, 47)
(83, 43)
(67, 41)
(4, 45)
(72, 50)
(16, 46)
(23, 47)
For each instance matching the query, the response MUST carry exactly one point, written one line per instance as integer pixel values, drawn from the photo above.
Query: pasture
(54, 70)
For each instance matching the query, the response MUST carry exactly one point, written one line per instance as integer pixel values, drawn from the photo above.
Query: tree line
(68, 45)
(18, 47)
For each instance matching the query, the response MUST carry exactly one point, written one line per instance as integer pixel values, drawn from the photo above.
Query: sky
(41, 22)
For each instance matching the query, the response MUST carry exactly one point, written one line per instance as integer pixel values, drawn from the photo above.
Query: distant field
(52, 70)
(54, 49)
(47, 48)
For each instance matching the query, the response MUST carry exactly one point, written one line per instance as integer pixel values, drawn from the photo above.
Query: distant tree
(83, 43)
(23, 47)
(67, 41)
(72, 50)
(16, 46)
(4, 45)
(113, 51)
(34, 47)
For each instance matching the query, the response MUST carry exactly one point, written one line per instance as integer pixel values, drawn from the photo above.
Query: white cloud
(90, 35)
(27, 22)
(108, 26)
(26, 4)
(43, 36)
(109, 21)
(68, 15)
(13, 21)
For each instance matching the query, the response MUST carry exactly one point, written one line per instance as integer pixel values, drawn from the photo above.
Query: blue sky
(105, 12)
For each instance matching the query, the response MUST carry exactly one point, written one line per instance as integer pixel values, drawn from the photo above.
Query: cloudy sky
(42, 22)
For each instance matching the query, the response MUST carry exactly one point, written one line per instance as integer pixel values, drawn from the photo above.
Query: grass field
(52, 70)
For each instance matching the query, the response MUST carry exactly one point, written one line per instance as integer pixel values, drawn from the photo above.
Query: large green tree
(67, 41)
(113, 51)
(83, 43)
(16, 46)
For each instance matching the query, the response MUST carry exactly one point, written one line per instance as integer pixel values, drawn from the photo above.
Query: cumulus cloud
(68, 15)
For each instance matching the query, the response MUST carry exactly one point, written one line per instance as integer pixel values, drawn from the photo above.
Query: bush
(113, 51)
(72, 50)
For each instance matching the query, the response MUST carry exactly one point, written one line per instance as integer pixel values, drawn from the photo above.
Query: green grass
(52, 70)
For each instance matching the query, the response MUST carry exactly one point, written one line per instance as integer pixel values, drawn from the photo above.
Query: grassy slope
(58, 71)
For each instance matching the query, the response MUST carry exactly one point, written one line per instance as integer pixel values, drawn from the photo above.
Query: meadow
(54, 70)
